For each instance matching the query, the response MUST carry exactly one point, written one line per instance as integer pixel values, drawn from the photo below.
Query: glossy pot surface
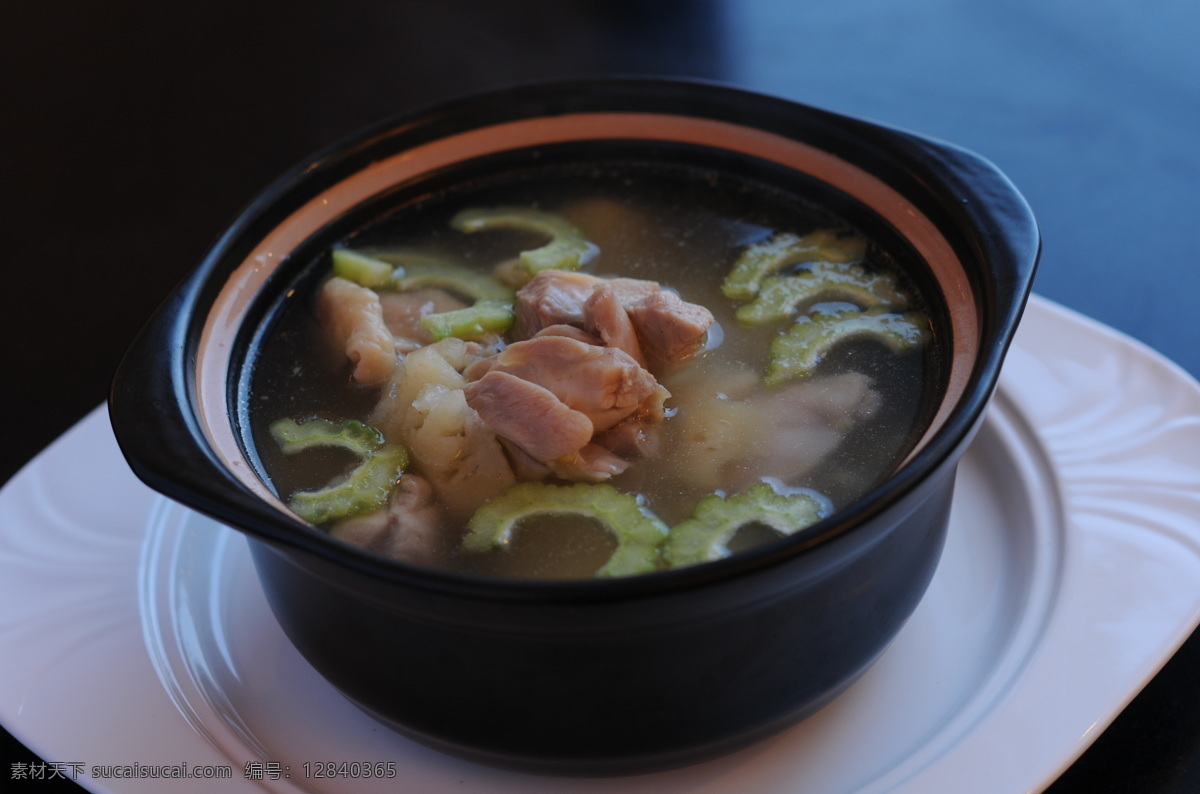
(598, 676)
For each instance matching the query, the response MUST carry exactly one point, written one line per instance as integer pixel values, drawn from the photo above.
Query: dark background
(132, 132)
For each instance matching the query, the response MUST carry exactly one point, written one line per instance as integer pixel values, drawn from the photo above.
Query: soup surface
(602, 370)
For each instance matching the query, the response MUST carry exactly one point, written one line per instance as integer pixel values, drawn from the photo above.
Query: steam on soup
(601, 372)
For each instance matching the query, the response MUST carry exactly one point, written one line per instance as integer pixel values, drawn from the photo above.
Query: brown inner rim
(215, 350)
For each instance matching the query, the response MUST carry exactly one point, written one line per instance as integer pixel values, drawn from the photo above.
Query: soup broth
(737, 437)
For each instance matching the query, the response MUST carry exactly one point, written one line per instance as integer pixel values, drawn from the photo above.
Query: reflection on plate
(1071, 573)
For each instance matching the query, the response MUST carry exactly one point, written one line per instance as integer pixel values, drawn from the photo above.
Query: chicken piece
(552, 297)
(603, 383)
(352, 317)
(481, 364)
(785, 433)
(606, 317)
(839, 401)
(634, 315)
(406, 528)
(528, 415)
(453, 447)
(402, 313)
(434, 364)
(670, 328)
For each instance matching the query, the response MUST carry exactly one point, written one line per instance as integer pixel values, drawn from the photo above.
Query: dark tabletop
(132, 131)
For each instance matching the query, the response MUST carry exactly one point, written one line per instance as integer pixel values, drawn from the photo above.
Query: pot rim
(971, 205)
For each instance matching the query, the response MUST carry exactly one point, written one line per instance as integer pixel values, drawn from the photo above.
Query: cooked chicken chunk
(423, 407)
(434, 364)
(406, 528)
(352, 317)
(552, 297)
(455, 450)
(528, 415)
(633, 315)
(735, 440)
(603, 383)
(606, 317)
(670, 328)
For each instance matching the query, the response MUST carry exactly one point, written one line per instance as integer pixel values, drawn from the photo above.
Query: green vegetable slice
(419, 272)
(797, 352)
(410, 270)
(715, 520)
(363, 489)
(780, 297)
(568, 249)
(639, 535)
(363, 270)
(349, 434)
(786, 249)
(473, 322)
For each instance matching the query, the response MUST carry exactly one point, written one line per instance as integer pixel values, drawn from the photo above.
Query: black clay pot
(598, 676)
